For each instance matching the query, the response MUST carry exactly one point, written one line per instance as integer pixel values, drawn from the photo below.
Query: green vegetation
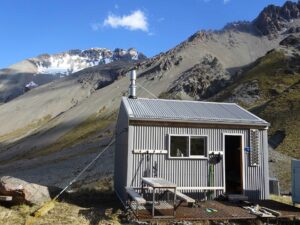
(278, 78)
(284, 114)
(97, 125)
(274, 74)
(283, 199)
(92, 204)
(275, 78)
(24, 130)
(63, 213)
(166, 95)
(94, 124)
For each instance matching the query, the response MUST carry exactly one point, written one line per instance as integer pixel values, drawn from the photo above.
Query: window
(188, 146)
(179, 146)
(198, 146)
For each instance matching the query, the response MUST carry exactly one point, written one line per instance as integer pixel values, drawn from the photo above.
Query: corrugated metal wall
(191, 172)
(256, 177)
(121, 153)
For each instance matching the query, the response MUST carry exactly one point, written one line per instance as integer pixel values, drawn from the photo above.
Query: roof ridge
(178, 100)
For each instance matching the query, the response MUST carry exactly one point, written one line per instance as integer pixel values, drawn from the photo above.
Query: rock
(293, 30)
(247, 93)
(273, 18)
(290, 41)
(23, 192)
(203, 80)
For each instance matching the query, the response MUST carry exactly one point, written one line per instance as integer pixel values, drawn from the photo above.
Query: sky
(33, 27)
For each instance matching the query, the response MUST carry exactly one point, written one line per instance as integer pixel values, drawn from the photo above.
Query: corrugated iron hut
(200, 146)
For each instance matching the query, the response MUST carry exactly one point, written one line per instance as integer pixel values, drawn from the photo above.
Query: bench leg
(153, 201)
(174, 203)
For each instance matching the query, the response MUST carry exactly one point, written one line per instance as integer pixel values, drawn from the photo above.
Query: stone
(273, 18)
(24, 192)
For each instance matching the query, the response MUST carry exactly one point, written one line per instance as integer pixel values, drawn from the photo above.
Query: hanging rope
(50, 205)
(149, 92)
(84, 169)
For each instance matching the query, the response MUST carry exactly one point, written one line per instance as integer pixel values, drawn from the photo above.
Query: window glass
(198, 146)
(179, 146)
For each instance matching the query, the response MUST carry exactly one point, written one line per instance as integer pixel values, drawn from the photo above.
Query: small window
(179, 146)
(198, 146)
(188, 146)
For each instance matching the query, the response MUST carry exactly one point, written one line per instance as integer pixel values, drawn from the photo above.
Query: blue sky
(33, 27)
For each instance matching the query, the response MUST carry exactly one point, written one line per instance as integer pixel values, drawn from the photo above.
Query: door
(233, 164)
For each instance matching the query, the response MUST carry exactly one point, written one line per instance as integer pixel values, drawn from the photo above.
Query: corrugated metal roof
(189, 111)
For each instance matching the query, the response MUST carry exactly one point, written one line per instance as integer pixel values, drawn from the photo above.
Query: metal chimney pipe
(132, 86)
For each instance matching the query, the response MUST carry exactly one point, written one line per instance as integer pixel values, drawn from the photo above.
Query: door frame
(243, 159)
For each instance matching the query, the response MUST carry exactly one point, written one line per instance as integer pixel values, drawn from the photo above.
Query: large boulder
(23, 192)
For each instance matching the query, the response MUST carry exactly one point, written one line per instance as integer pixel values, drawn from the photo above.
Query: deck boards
(226, 211)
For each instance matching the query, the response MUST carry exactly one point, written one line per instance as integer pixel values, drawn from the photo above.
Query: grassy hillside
(273, 73)
(283, 112)
(270, 88)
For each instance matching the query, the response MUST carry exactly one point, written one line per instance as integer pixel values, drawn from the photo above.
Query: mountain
(45, 68)
(72, 61)
(274, 19)
(60, 125)
(269, 87)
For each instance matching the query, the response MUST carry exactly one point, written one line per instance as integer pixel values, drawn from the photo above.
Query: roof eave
(264, 124)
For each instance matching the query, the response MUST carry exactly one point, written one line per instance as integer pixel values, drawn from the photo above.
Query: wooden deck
(225, 211)
(287, 211)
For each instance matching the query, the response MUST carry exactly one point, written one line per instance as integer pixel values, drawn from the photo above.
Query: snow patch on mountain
(69, 62)
(31, 84)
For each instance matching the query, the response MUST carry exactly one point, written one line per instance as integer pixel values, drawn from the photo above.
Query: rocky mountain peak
(74, 60)
(273, 18)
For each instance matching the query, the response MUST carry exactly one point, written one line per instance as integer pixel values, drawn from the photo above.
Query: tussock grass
(283, 199)
(278, 77)
(284, 113)
(24, 130)
(279, 90)
(88, 128)
(93, 204)
(273, 76)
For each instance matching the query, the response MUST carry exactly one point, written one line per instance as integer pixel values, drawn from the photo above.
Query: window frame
(189, 146)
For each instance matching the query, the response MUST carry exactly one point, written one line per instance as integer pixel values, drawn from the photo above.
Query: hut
(202, 147)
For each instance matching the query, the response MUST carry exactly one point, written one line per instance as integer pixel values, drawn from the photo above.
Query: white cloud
(226, 1)
(134, 21)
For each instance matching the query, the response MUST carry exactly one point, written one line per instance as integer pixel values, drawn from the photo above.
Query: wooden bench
(183, 197)
(5, 198)
(135, 197)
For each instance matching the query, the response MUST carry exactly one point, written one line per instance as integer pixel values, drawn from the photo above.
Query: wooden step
(237, 197)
